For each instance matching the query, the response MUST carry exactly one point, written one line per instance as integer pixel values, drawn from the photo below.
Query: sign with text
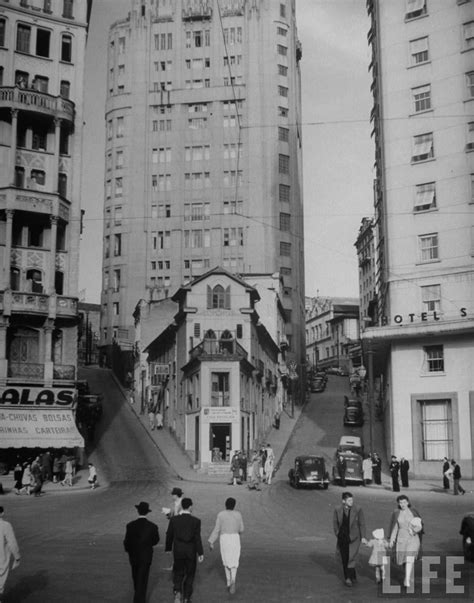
(37, 396)
(219, 414)
(32, 428)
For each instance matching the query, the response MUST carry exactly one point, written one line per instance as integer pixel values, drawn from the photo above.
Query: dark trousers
(342, 475)
(445, 482)
(140, 573)
(395, 484)
(349, 572)
(377, 473)
(404, 477)
(457, 486)
(184, 571)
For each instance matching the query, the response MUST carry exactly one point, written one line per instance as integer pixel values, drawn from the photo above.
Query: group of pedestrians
(404, 539)
(452, 470)
(399, 470)
(259, 470)
(183, 540)
(155, 417)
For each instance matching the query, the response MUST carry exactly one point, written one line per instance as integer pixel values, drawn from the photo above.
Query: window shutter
(227, 298)
(239, 331)
(209, 297)
(197, 330)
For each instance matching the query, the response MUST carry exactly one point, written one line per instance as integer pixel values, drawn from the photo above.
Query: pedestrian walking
(141, 536)
(254, 483)
(46, 466)
(447, 472)
(235, 468)
(367, 470)
(341, 469)
(92, 479)
(349, 528)
(377, 468)
(457, 488)
(379, 555)
(68, 470)
(26, 480)
(263, 460)
(229, 526)
(183, 537)
(159, 420)
(405, 531)
(151, 416)
(17, 475)
(269, 464)
(404, 468)
(8, 550)
(394, 472)
(177, 496)
(243, 465)
(56, 469)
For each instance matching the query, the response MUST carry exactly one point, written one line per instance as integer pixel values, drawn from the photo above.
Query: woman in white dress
(229, 526)
(405, 531)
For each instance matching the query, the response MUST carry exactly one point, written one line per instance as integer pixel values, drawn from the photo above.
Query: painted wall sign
(37, 396)
(399, 319)
(219, 414)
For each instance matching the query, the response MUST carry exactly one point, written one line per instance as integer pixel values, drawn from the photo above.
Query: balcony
(20, 302)
(12, 97)
(35, 201)
(30, 371)
(29, 303)
(64, 372)
(66, 306)
(196, 10)
(218, 349)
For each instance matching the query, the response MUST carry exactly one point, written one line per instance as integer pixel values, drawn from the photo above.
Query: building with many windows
(203, 153)
(421, 349)
(42, 49)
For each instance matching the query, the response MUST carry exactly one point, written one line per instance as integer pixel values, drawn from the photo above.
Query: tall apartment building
(365, 247)
(203, 153)
(422, 347)
(42, 53)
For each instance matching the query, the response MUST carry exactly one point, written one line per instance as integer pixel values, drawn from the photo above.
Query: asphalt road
(71, 543)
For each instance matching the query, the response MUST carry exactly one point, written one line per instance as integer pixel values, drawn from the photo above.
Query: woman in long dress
(405, 531)
(229, 526)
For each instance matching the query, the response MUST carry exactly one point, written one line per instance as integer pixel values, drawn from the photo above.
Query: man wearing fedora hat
(140, 537)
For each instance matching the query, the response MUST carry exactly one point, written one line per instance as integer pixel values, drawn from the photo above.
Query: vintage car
(354, 473)
(467, 533)
(309, 470)
(352, 443)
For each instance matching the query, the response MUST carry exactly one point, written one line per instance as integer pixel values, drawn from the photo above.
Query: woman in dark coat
(404, 468)
(446, 473)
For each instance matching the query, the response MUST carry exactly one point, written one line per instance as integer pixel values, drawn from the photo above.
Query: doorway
(220, 441)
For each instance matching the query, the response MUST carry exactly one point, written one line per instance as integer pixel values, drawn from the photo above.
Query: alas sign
(37, 396)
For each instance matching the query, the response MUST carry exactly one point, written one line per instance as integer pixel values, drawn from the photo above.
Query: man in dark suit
(140, 538)
(349, 528)
(183, 537)
(394, 472)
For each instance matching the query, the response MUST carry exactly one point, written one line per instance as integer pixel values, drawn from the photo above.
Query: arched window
(218, 297)
(226, 342)
(36, 280)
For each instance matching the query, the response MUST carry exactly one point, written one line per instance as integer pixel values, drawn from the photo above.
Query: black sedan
(309, 470)
(353, 415)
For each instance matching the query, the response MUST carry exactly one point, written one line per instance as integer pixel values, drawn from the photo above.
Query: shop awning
(38, 428)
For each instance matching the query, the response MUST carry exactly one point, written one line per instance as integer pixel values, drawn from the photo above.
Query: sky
(338, 154)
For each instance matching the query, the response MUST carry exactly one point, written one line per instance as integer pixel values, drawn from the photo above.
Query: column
(13, 138)
(370, 395)
(48, 345)
(5, 284)
(57, 139)
(3, 350)
(52, 263)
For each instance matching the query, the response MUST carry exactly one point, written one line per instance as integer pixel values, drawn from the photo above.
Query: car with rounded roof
(309, 470)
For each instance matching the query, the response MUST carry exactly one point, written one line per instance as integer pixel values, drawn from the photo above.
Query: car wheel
(297, 482)
(325, 486)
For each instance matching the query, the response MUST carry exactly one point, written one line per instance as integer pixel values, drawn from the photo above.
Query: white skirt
(230, 549)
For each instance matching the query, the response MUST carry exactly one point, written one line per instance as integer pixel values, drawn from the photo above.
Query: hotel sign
(220, 414)
(412, 317)
(37, 397)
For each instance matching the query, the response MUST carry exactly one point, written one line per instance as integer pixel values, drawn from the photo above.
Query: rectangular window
(2, 32)
(472, 189)
(220, 393)
(282, 70)
(431, 298)
(437, 429)
(285, 221)
(120, 127)
(43, 37)
(119, 159)
(284, 193)
(470, 136)
(434, 358)
(284, 164)
(419, 51)
(283, 111)
(415, 8)
(470, 84)
(283, 134)
(117, 245)
(421, 98)
(468, 31)
(281, 31)
(423, 147)
(428, 246)
(283, 11)
(425, 196)
(282, 50)
(66, 48)
(65, 89)
(68, 9)
(23, 38)
(116, 308)
(121, 46)
(118, 215)
(116, 280)
(283, 91)
(118, 187)
(285, 248)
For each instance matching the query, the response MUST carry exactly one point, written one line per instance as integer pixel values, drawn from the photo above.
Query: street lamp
(362, 372)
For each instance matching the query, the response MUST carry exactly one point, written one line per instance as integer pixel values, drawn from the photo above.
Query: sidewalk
(181, 464)
(79, 483)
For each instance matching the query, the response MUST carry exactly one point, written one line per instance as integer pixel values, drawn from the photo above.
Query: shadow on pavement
(30, 584)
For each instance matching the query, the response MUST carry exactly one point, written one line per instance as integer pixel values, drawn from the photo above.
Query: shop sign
(412, 317)
(37, 396)
(219, 414)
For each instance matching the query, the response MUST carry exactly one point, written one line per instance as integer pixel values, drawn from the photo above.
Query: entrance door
(220, 441)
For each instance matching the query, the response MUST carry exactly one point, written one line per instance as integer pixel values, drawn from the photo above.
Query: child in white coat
(379, 556)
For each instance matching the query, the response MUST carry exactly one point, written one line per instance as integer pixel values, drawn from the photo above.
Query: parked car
(337, 370)
(309, 470)
(467, 533)
(354, 473)
(351, 443)
(318, 385)
(352, 402)
(353, 415)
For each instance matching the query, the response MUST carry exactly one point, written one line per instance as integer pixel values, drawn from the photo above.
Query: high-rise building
(420, 354)
(203, 153)
(41, 115)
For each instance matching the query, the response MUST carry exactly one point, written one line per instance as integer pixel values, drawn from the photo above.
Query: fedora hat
(177, 492)
(143, 508)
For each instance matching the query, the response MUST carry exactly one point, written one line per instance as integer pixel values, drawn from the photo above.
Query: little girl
(378, 557)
